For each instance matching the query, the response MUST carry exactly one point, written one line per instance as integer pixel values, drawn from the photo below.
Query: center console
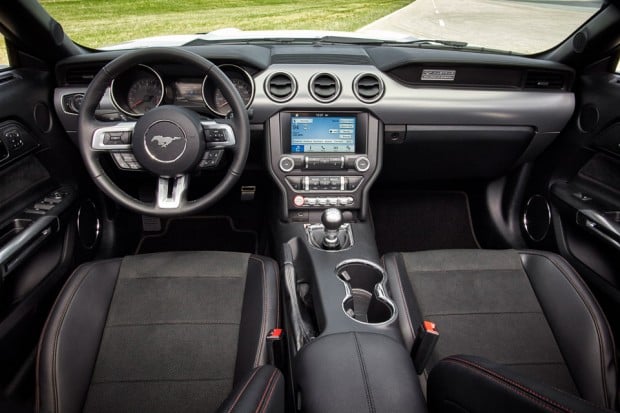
(340, 316)
(323, 159)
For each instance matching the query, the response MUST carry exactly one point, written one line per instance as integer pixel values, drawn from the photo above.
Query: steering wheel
(169, 141)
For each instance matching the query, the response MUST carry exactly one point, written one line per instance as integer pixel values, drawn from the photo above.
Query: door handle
(601, 224)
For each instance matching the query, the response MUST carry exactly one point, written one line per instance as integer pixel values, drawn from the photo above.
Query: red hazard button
(298, 201)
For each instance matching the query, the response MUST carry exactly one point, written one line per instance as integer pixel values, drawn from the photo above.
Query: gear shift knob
(331, 219)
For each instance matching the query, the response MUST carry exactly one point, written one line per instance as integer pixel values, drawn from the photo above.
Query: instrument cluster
(142, 88)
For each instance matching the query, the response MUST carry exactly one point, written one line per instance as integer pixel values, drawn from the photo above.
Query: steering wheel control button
(287, 164)
(211, 159)
(126, 160)
(215, 135)
(362, 164)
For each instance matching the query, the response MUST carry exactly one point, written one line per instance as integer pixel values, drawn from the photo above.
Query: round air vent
(368, 87)
(325, 87)
(280, 87)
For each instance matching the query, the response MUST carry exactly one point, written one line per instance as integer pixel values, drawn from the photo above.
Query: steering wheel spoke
(172, 191)
(116, 137)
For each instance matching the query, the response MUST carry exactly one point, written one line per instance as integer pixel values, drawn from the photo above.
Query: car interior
(175, 238)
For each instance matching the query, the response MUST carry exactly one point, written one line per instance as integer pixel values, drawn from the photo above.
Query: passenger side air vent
(368, 87)
(545, 80)
(325, 87)
(280, 87)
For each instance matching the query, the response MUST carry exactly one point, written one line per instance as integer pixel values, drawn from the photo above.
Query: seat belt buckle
(274, 345)
(423, 345)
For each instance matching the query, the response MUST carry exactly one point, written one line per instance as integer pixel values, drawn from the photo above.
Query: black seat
(169, 332)
(528, 311)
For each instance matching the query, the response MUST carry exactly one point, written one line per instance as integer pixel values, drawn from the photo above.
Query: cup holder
(366, 299)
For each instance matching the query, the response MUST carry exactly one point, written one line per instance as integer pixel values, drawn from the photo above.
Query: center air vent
(544, 80)
(368, 87)
(280, 87)
(325, 87)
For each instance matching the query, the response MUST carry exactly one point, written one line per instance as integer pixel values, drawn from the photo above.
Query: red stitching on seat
(526, 391)
(273, 389)
(247, 383)
(265, 391)
(263, 334)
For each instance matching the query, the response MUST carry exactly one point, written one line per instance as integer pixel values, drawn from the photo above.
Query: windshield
(517, 26)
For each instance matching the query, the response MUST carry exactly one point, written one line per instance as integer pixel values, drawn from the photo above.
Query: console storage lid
(357, 372)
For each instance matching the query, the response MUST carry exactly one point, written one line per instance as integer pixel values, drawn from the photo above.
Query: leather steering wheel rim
(88, 124)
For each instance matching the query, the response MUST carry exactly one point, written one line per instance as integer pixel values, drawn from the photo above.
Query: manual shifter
(331, 220)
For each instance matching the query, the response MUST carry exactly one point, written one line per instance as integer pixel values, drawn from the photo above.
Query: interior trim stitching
(269, 397)
(402, 294)
(277, 273)
(262, 336)
(483, 313)
(245, 386)
(94, 382)
(176, 277)
(360, 357)
(560, 268)
(511, 384)
(164, 323)
(260, 403)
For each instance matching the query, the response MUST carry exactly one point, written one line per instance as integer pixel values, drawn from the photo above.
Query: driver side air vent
(80, 75)
(545, 80)
(280, 87)
(368, 87)
(325, 87)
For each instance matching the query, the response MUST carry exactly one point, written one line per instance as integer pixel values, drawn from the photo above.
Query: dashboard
(414, 114)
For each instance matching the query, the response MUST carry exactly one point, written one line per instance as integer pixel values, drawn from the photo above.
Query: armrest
(261, 390)
(357, 372)
(475, 385)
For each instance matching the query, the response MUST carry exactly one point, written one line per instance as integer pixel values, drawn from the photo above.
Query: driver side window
(4, 58)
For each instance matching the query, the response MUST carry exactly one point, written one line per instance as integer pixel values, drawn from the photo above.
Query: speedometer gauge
(213, 96)
(137, 90)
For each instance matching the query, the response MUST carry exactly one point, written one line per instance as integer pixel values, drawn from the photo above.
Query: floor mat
(416, 221)
(200, 234)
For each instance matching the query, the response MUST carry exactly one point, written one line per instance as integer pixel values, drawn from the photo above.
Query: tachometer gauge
(137, 90)
(213, 96)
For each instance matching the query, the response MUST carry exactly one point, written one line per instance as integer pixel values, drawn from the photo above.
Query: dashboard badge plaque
(441, 75)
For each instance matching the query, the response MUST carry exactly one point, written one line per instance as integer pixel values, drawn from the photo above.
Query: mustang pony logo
(164, 141)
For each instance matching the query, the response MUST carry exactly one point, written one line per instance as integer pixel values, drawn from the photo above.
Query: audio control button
(287, 164)
(362, 164)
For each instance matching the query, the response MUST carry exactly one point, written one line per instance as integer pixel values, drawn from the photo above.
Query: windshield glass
(517, 26)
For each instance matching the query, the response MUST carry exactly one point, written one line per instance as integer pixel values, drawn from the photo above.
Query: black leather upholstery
(460, 384)
(527, 310)
(357, 372)
(258, 391)
(162, 332)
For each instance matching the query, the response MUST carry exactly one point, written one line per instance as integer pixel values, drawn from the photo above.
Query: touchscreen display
(323, 133)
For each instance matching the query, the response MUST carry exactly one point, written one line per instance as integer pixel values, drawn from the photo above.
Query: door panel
(40, 177)
(581, 179)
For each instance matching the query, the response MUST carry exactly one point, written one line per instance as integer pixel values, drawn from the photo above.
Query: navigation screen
(323, 133)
